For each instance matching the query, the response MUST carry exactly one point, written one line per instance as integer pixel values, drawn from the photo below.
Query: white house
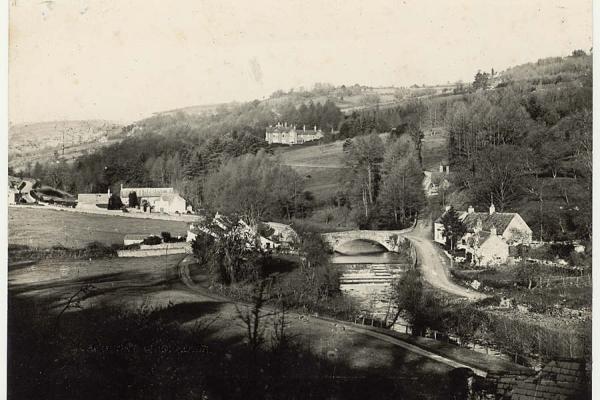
(434, 181)
(170, 203)
(488, 234)
(12, 196)
(486, 248)
(288, 134)
(283, 235)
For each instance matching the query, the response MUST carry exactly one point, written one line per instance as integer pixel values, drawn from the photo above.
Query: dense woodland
(521, 139)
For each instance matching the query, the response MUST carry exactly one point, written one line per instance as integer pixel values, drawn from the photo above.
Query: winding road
(434, 263)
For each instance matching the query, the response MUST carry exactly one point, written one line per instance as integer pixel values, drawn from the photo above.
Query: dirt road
(434, 264)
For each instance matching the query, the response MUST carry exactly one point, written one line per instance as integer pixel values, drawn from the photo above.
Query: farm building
(434, 181)
(12, 196)
(489, 235)
(92, 200)
(170, 203)
(284, 134)
(283, 235)
(164, 200)
(134, 239)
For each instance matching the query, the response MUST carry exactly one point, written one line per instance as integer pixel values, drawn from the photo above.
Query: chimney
(304, 128)
(470, 210)
(441, 168)
(315, 128)
(493, 231)
(447, 169)
(492, 209)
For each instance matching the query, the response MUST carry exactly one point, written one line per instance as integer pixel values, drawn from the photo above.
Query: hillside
(320, 165)
(42, 141)
(534, 118)
(348, 99)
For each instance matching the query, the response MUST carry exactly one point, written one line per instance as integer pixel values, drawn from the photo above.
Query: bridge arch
(388, 239)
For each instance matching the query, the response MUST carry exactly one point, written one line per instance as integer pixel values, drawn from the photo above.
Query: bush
(98, 250)
(152, 240)
(166, 236)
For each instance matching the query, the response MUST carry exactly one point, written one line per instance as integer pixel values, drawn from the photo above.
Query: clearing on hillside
(322, 165)
(434, 150)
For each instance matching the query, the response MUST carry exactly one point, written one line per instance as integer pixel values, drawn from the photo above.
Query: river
(367, 273)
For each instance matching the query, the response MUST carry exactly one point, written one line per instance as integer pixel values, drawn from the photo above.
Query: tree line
(382, 181)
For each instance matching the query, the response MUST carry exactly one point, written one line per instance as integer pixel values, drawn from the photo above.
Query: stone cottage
(489, 234)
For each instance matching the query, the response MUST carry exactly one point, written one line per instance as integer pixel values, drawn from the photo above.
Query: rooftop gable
(488, 221)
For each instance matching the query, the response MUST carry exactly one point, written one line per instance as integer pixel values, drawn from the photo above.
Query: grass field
(44, 228)
(322, 166)
(434, 150)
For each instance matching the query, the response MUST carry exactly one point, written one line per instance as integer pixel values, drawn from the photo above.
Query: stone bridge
(388, 239)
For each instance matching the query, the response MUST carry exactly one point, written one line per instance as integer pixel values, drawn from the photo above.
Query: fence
(566, 281)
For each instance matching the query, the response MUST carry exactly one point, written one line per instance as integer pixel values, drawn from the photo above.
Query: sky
(124, 60)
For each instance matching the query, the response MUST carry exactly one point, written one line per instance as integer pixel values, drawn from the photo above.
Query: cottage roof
(146, 192)
(136, 236)
(284, 232)
(308, 132)
(169, 197)
(559, 379)
(498, 220)
(290, 128)
(279, 129)
(438, 177)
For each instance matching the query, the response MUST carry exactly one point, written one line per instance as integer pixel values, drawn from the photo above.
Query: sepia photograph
(266, 199)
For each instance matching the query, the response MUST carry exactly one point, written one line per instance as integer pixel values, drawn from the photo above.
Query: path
(434, 263)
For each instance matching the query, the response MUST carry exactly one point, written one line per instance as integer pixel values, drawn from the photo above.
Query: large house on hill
(288, 134)
(489, 234)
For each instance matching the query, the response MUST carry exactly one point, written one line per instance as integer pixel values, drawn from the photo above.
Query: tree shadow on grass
(56, 292)
(110, 352)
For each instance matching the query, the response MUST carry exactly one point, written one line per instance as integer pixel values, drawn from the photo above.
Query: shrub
(97, 250)
(166, 236)
(152, 240)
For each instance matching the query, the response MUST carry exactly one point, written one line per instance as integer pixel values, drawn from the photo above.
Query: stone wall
(85, 200)
(151, 252)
